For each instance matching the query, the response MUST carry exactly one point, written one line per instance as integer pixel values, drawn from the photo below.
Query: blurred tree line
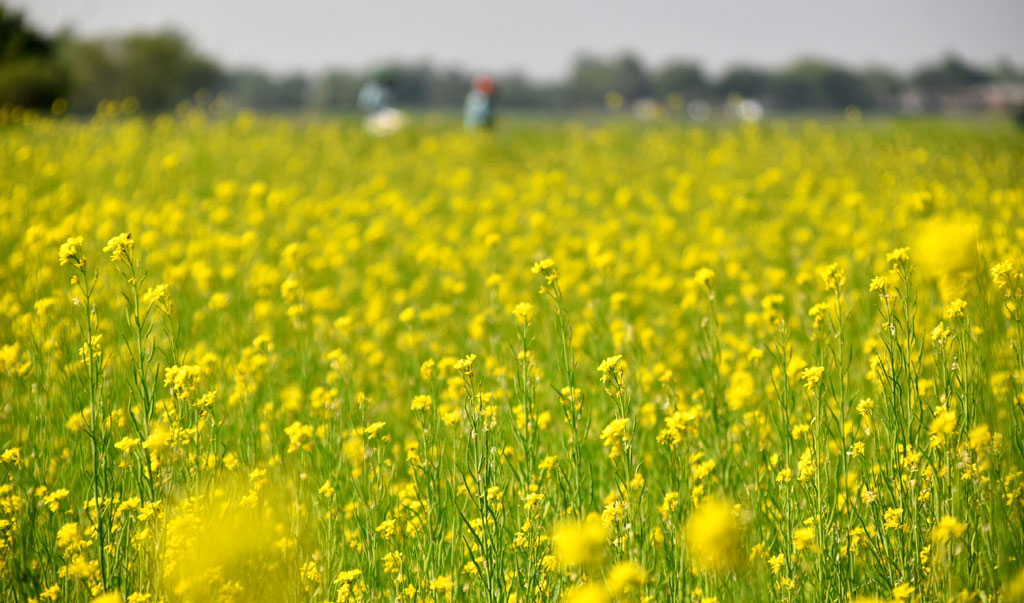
(161, 69)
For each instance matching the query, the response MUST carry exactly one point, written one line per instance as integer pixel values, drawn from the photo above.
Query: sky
(542, 37)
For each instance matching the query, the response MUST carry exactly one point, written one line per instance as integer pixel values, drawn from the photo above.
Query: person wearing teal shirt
(376, 94)
(478, 109)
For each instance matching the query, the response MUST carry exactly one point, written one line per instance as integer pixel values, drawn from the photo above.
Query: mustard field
(265, 359)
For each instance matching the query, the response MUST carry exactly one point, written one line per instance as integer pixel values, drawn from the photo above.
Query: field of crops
(254, 359)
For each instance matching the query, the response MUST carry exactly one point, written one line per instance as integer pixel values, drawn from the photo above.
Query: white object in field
(698, 110)
(647, 109)
(385, 122)
(749, 110)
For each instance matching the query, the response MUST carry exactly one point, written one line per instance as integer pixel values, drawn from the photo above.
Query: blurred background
(657, 58)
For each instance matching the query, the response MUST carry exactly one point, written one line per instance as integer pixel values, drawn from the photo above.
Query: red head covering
(484, 84)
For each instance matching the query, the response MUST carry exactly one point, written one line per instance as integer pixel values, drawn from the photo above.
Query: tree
(162, 69)
(745, 80)
(412, 84)
(516, 90)
(255, 89)
(682, 77)
(949, 75)
(884, 86)
(592, 78)
(30, 73)
(336, 90)
(630, 78)
(158, 69)
(448, 88)
(814, 84)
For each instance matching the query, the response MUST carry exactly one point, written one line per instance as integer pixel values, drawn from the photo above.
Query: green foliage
(29, 74)
(159, 70)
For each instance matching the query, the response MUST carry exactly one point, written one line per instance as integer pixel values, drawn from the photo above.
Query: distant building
(991, 97)
(1000, 96)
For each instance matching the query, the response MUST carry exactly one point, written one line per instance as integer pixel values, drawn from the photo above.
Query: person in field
(376, 102)
(478, 109)
(377, 93)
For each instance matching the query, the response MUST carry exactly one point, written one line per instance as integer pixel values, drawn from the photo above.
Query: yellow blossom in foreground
(300, 436)
(833, 277)
(803, 538)
(902, 592)
(11, 456)
(421, 402)
(714, 537)
(1014, 589)
(898, 256)
(70, 252)
(120, 246)
(159, 438)
(442, 584)
(948, 528)
(523, 312)
(612, 371)
(589, 593)
(127, 444)
(615, 436)
(705, 276)
(979, 437)
(942, 426)
(811, 376)
(893, 517)
(577, 543)
(625, 577)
